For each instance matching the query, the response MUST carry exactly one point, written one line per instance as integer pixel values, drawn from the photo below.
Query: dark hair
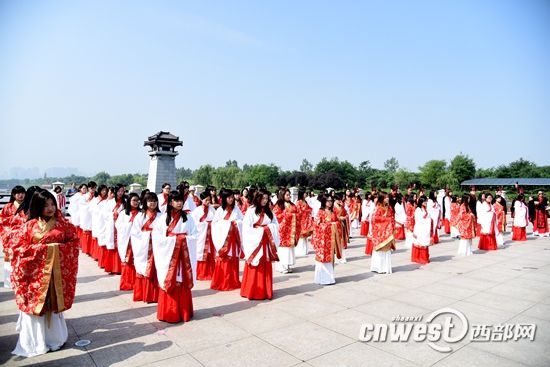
(225, 194)
(251, 193)
(205, 194)
(421, 201)
(38, 203)
(81, 186)
(128, 206)
(410, 199)
(142, 195)
(432, 195)
(150, 196)
(281, 198)
(466, 202)
(323, 200)
(16, 190)
(92, 184)
(257, 202)
(176, 196)
(57, 189)
(166, 184)
(301, 194)
(100, 188)
(27, 202)
(521, 198)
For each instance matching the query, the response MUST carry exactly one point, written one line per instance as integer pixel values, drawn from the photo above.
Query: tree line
(333, 172)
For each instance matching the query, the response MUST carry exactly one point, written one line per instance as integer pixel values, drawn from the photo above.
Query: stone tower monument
(162, 164)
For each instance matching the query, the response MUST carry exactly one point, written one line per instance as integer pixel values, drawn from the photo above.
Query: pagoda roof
(163, 137)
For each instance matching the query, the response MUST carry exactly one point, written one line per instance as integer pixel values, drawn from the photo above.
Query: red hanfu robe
(344, 218)
(540, 226)
(45, 264)
(328, 238)
(289, 224)
(85, 221)
(466, 224)
(409, 211)
(146, 286)
(353, 209)
(383, 228)
(520, 221)
(206, 252)
(226, 236)
(500, 217)
(123, 226)
(111, 258)
(365, 214)
(10, 221)
(174, 253)
(260, 241)
(422, 236)
(455, 209)
(306, 219)
(487, 219)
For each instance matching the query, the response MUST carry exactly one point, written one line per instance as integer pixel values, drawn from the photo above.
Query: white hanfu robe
(221, 226)
(140, 242)
(252, 236)
(202, 229)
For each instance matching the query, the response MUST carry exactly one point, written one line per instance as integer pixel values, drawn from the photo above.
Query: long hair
(466, 202)
(258, 203)
(128, 205)
(281, 198)
(225, 194)
(176, 196)
(16, 190)
(150, 196)
(421, 200)
(24, 208)
(38, 203)
(323, 200)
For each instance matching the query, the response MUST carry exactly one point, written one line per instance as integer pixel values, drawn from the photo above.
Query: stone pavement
(310, 325)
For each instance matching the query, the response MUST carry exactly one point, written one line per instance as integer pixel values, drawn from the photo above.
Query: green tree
(431, 171)
(262, 174)
(463, 168)
(402, 177)
(391, 165)
(183, 174)
(344, 169)
(101, 178)
(523, 168)
(231, 163)
(204, 175)
(306, 166)
(227, 176)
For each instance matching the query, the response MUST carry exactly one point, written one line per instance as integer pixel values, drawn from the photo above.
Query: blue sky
(83, 83)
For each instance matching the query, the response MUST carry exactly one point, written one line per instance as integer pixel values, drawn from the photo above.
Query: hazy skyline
(83, 84)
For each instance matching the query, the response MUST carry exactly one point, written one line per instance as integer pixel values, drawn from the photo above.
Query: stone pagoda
(162, 164)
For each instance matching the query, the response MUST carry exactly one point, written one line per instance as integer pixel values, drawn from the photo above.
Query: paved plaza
(310, 325)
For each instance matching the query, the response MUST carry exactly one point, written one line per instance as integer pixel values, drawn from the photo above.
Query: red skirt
(478, 229)
(519, 234)
(420, 254)
(435, 238)
(226, 274)
(487, 242)
(151, 287)
(368, 247)
(205, 268)
(447, 225)
(95, 250)
(400, 233)
(86, 242)
(138, 288)
(258, 281)
(127, 278)
(111, 260)
(175, 306)
(102, 259)
(364, 228)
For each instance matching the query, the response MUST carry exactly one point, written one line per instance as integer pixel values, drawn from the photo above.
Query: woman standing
(174, 253)
(306, 224)
(146, 286)
(422, 236)
(487, 220)
(453, 221)
(327, 240)
(289, 230)
(520, 219)
(45, 264)
(260, 241)
(166, 189)
(226, 236)
(10, 218)
(206, 252)
(466, 224)
(500, 219)
(434, 210)
(410, 208)
(123, 226)
(383, 240)
(112, 210)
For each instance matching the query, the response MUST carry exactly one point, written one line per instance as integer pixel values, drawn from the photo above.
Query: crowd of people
(161, 245)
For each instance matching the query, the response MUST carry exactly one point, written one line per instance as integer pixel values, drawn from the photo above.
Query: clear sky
(84, 83)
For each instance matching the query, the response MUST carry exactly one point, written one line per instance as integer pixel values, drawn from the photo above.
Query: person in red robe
(260, 241)
(410, 207)
(383, 240)
(466, 224)
(520, 219)
(146, 287)
(10, 218)
(206, 251)
(163, 197)
(540, 225)
(123, 226)
(327, 241)
(174, 252)
(487, 219)
(306, 224)
(500, 219)
(453, 221)
(45, 265)
(226, 236)
(290, 228)
(423, 232)
(365, 212)
(341, 212)
(112, 210)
